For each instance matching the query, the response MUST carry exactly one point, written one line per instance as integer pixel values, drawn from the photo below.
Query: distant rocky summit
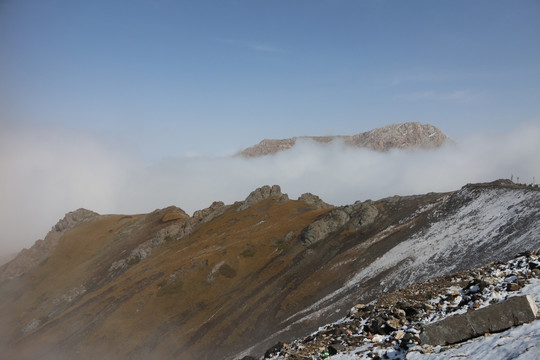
(395, 136)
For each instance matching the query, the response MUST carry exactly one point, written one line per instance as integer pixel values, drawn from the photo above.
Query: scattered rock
(335, 348)
(393, 325)
(34, 323)
(513, 287)
(71, 295)
(274, 350)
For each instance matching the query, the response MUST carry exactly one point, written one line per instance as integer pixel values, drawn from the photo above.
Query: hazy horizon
(49, 178)
(124, 107)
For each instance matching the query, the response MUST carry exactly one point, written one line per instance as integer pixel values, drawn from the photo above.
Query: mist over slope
(62, 170)
(234, 279)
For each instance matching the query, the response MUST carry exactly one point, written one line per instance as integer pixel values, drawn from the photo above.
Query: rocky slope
(395, 136)
(232, 280)
(392, 326)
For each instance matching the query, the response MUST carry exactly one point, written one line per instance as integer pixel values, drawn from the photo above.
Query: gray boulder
(324, 226)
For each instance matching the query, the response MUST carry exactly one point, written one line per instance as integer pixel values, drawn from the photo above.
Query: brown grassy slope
(187, 296)
(233, 283)
(78, 266)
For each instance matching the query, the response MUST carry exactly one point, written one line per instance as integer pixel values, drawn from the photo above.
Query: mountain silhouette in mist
(395, 136)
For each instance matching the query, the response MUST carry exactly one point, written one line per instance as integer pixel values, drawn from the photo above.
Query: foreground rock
(494, 318)
(438, 312)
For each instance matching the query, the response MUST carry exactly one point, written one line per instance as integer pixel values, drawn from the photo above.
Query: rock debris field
(391, 327)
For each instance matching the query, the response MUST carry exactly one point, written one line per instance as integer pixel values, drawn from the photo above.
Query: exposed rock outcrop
(314, 200)
(181, 226)
(320, 229)
(395, 136)
(174, 214)
(366, 213)
(27, 259)
(263, 193)
(205, 215)
(351, 217)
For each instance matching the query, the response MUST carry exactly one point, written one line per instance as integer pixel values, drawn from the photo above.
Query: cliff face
(235, 279)
(395, 136)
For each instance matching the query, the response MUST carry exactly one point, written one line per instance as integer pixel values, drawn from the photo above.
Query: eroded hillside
(233, 279)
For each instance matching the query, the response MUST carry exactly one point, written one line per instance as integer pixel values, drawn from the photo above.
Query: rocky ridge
(395, 136)
(200, 287)
(27, 259)
(180, 226)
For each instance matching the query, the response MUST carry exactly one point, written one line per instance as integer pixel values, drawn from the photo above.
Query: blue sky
(211, 77)
(129, 106)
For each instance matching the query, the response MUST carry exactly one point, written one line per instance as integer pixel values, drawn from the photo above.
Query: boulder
(494, 318)
(324, 226)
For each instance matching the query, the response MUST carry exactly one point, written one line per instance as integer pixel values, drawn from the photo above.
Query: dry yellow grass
(230, 282)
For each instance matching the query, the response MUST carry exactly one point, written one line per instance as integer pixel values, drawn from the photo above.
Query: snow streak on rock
(473, 226)
(495, 222)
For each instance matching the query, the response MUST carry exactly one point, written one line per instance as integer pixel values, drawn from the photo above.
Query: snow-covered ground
(521, 342)
(490, 221)
(488, 224)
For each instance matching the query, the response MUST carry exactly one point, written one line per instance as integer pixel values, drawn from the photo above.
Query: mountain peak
(394, 136)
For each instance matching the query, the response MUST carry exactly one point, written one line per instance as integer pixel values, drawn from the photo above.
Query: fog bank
(47, 173)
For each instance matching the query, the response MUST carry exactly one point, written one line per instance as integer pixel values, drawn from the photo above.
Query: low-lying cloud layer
(46, 174)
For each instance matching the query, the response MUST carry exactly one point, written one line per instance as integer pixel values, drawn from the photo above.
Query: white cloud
(48, 173)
